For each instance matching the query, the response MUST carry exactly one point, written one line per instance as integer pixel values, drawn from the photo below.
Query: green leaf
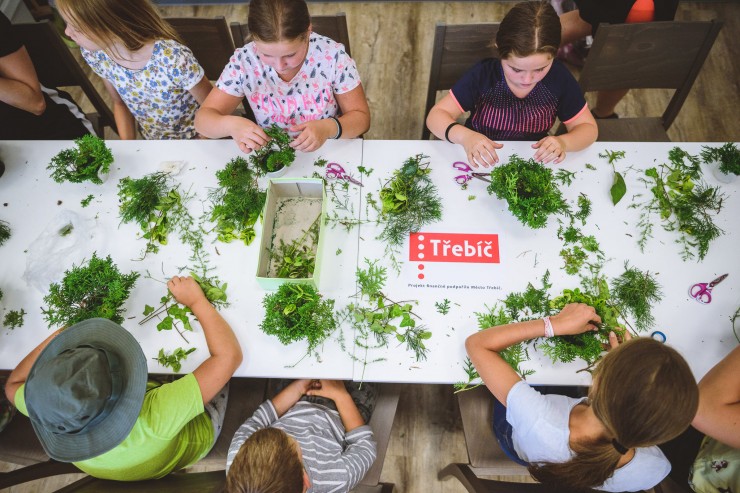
(400, 338)
(619, 188)
(289, 309)
(148, 309)
(165, 324)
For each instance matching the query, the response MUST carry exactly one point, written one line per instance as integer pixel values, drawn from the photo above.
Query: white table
(32, 205)
(702, 333)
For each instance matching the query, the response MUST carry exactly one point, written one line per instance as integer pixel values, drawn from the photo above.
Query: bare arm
(480, 149)
(336, 391)
(226, 354)
(20, 374)
(201, 90)
(19, 85)
(719, 401)
(484, 347)
(582, 132)
(573, 27)
(125, 121)
(214, 120)
(291, 394)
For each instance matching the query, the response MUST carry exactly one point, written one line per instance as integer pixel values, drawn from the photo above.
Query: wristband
(549, 332)
(339, 128)
(447, 132)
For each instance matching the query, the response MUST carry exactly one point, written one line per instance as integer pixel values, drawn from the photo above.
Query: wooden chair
(456, 49)
(209, 40)
(650, 55)
(331, 26)
(381, 423)
(56, 67)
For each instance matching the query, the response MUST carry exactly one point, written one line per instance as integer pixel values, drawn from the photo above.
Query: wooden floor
(391, 42)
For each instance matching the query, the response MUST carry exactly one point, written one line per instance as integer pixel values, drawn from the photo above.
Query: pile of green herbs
(409, 200)
(728, 157)
(172, 314)
(684, 203)
(375, 318)
(297, 259)
(633, 294)
(237, 202)
(86, 162)
(97, 289)
(530, 189)
(276, 155)
(157, 206)
(298, 312)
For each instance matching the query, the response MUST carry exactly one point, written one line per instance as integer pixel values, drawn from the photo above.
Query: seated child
(518, 96)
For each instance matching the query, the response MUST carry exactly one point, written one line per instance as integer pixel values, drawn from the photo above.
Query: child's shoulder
(325, 44)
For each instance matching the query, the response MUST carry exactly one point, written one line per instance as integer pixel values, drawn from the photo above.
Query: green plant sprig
(530, 189)
(409, 200)
(4, 232)
(85, 162)
(97, 289)
(173, 360)
(276, 155)
(684, 203)
(156, 205)
(237, 203)
(297, 312)
(634, 293)
(619, 187)
(443, 306)
(14, 319)
(297, 259)
(727, 155)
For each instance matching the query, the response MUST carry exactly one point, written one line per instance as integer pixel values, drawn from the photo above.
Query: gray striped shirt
(335, 461)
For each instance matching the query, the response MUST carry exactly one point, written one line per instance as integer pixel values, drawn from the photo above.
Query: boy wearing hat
(85, 390)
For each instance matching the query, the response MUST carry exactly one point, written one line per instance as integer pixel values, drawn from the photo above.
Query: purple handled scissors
(469, 174)
(702, 292)
(336, 171)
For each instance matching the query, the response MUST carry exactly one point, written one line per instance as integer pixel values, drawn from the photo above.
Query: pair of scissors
(702, 292)
(336, 171)
(469, 174)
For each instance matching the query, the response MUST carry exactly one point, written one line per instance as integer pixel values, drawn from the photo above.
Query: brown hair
(268, 462)
(644, 394)
(132, 23)
(529, 28)
(272, 21)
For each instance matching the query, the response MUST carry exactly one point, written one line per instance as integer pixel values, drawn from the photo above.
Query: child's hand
(186, 291)
(480, 149)
(574, 318)
(331, 389)
(312, 134)
(549, 149)
(248, 135)
(614, 339)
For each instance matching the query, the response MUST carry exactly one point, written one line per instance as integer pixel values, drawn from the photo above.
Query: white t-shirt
(540, 434)
(327, 71)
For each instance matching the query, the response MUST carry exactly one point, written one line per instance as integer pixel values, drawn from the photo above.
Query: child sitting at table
(153, 79)
(643, 394)
(312, 434)
(301, 81)
(518, 96)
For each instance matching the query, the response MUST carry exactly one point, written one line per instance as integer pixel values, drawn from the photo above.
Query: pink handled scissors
(702, 292)
(336, 171)
(469, 174)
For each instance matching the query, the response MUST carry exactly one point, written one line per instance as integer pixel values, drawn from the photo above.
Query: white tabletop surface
(703, 334)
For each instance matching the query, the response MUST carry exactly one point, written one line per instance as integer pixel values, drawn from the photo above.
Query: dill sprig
(635, 292)
(530, 189)
(727, 155)
(409, 201)
(297, 312)
(684, 202)
(87, 161)
(237, 203)
(97, 289)
(276, 155)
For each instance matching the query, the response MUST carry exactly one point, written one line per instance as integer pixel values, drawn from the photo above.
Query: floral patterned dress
(157, 95)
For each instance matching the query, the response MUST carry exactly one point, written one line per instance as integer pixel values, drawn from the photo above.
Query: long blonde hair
(267, 462)
(131, 23)
(644, 394)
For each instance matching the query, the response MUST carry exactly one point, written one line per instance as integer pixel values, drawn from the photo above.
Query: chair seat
(19, 445)
(632, 130)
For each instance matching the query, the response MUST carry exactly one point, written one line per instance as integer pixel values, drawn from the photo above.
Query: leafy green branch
(173, 360)
(728, 157)
(90, 159)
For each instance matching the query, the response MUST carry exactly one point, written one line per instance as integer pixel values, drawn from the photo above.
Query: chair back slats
(56, 67)
(456, 49)
(331, 26)
(210, 41)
